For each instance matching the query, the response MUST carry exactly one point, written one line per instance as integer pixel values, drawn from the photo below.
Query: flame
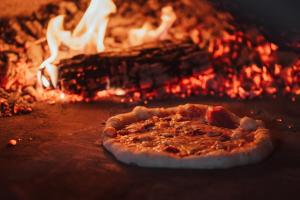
(88, 36)
(147, 34)
(242, 66)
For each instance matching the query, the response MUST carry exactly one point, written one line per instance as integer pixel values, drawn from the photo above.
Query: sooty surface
(59, 156)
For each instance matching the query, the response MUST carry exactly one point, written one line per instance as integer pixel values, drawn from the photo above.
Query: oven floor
(59, 156)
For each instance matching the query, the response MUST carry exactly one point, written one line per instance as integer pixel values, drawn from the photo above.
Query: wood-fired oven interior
(66, 66)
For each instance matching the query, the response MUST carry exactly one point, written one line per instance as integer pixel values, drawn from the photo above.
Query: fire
(147, 34)
(234, 75)
(242, 65)
(88, 36)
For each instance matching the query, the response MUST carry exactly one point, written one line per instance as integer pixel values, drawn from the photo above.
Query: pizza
(186, 136)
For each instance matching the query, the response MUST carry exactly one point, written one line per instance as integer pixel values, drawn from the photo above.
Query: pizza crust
(262, 145)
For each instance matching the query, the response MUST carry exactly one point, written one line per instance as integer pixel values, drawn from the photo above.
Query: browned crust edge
(260, 149)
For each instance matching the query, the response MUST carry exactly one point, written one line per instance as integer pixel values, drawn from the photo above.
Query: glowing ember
(147, 34)
(242, 65)
(53, 96)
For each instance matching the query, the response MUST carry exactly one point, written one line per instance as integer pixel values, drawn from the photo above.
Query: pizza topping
(168, 118)
(218, 116)
(179, 118)
(148, 144)
(248, 123)
(162, 124)
(241, 144)
(195, 132)
(248, 138)
(180, 125)
(167, 135)
(220, 146)
(171, 149)
(187, 135)
(182, 137)
(123, 132)
(148, 126)
(238, 133)
(224, 138)
(213, 134)
(143, 138)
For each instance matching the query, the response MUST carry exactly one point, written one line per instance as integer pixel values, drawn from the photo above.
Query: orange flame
(87, 36)
(242, 65)
(147, 34)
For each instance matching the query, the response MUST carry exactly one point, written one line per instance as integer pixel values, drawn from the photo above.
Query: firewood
(142, 67)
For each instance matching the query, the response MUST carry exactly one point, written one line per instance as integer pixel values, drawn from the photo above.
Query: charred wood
(141, 67)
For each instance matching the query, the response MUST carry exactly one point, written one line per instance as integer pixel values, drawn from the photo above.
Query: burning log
(143, 67)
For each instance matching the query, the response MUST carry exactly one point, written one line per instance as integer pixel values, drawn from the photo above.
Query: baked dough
(186, 136)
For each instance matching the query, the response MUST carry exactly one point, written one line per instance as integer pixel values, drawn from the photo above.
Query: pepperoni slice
(172, 149)
(218, 116)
